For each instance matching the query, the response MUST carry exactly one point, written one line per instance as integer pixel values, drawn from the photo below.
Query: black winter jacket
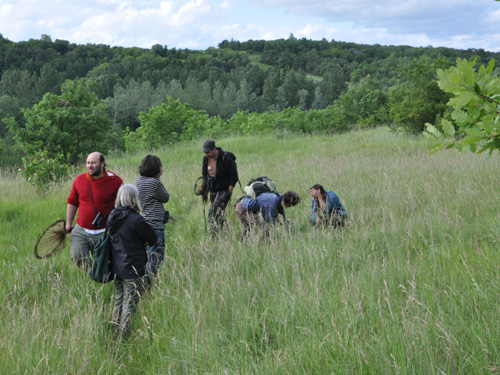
(129, 233)
(226, 173)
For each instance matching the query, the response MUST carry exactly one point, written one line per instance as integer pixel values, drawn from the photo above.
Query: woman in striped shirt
(152, 195)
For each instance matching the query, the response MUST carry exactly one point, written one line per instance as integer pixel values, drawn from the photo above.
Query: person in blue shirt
(326, 207)
(264, 209)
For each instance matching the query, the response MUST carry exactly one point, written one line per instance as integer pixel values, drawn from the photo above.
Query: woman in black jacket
(130, 233)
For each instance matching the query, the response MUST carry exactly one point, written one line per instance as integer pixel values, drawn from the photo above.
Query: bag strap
(92, 196)
(223, 159)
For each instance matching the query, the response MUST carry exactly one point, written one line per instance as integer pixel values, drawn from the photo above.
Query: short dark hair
(150, 166)
(291, 198)
(208, 145)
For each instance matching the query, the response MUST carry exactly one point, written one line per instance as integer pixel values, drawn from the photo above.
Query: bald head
(96, 164)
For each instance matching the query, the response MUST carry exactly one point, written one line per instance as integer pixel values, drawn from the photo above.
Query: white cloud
(309, 32)
(226, 5)
(433, 17)
(6, 9)
(267, 36)
(493, 18)
(198, 24)
(111, 2)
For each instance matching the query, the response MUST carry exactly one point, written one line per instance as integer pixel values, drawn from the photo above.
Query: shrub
(43, 172)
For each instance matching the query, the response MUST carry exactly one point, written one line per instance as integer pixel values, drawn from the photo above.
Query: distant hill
(356, 80)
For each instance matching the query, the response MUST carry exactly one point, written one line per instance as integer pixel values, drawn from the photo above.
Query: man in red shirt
(93, 195)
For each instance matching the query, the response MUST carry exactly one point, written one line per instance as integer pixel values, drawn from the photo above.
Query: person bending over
(264, 209)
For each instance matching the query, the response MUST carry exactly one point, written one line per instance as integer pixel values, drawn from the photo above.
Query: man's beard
(96, 172)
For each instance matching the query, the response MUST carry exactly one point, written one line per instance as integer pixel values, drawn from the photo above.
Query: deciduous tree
(417, 99)
(67, 126)
(161, 125)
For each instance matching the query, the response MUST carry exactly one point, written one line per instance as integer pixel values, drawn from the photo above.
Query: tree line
(288, 84)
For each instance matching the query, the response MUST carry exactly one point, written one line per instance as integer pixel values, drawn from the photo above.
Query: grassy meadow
(411, 286)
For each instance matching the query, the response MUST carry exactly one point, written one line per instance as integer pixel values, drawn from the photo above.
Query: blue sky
(200, 24)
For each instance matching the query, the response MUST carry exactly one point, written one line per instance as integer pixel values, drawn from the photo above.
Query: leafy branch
(473, 123)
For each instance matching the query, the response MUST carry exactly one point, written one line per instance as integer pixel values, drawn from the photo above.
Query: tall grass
(409, 287)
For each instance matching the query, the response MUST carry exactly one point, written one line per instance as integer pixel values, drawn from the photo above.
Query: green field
(411, 286)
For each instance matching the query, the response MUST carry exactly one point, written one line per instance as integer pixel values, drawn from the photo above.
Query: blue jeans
(156, 255)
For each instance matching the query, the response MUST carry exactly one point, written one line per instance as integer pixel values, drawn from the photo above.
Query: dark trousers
(248, 219)
(216, 214)
(337, 221)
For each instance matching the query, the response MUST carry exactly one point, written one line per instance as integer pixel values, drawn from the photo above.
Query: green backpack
(259, 185)
(101, 268)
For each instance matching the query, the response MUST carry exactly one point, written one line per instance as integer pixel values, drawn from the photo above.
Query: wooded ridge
(362, 85)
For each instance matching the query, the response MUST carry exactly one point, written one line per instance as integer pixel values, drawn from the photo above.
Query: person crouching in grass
(326, 208)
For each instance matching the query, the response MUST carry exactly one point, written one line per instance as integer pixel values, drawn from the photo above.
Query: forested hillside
(335, 84)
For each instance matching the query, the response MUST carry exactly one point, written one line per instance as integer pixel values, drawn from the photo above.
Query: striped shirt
(152, 195)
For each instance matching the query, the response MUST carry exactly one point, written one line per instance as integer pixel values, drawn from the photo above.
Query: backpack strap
(223, 158)
(241, 188)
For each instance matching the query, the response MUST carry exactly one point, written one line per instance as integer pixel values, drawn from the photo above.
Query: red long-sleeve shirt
(104, 191)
